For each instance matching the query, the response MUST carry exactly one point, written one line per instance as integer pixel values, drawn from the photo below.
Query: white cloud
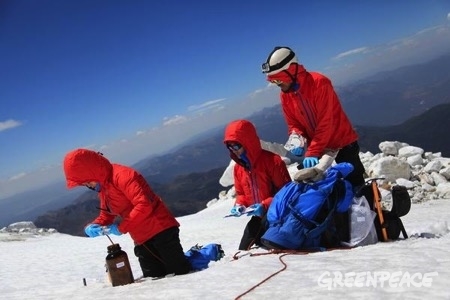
(257, 92)
(30, 180)
(206, 105)
(351, 52)
(18, 176)
(210, 109)
(9, 124)
(448, 16)
(425, 45)
(174, 120)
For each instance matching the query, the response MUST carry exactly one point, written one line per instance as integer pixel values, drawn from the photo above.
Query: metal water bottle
(118, 266)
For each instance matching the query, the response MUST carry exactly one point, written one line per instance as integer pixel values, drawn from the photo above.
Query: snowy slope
(53, 266)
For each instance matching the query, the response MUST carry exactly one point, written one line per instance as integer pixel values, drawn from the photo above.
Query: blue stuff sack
(302, 213)
(200, 256)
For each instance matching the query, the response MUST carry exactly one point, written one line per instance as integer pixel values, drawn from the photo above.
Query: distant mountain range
(187, 177)
(390, 98)
(28, 205)
(428, 131)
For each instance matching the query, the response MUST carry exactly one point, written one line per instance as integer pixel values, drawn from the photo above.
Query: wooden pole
(377, 206)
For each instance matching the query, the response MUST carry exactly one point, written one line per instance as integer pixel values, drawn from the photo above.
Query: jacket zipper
(108, 208)
(309, 115)
(254, 185)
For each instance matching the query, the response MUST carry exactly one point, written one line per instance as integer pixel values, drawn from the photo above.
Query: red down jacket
(267, 174)
(315, 112)
(124, 192)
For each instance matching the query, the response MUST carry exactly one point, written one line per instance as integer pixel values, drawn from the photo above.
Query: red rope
(156, 256)
(283, 253)
(235, 256)
(267, 278)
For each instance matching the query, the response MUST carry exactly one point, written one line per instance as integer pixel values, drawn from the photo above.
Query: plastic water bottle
(118, 266)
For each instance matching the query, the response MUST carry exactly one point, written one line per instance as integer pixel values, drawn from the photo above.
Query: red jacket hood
(268, 171)
(82, 165)
(244, 133)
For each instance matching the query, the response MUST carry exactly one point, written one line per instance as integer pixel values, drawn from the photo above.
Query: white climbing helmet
(278, 60)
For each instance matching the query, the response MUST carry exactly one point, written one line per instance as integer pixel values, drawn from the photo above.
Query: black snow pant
(253, 232)
(350, 154)
(162, 255)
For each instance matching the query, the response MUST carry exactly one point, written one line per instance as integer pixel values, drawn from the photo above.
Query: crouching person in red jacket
(125, 193)
(258, 175)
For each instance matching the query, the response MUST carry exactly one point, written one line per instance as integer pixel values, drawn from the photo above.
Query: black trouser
(253, 232)
(162, 255)
(350, 154)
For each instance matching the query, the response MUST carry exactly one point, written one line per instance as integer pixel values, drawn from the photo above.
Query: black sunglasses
(234, 147)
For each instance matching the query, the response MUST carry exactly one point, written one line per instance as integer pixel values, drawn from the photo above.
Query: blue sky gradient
(134, 78)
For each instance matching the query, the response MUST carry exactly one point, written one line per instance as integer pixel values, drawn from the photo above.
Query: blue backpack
(302, 214)
(200, 256)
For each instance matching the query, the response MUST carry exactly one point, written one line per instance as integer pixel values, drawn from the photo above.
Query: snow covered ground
(53, 266)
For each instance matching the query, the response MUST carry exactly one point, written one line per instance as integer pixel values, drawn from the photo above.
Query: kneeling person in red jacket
(258, 175)
(125, 193)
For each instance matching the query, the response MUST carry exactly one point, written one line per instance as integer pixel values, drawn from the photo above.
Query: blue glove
(310, 162)
(296, 144)
(237, 210)
(297, 151)
(258, 210)
(112, 229)
(93, 230)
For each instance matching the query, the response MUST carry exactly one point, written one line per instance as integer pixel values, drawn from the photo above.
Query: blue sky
(133, 78)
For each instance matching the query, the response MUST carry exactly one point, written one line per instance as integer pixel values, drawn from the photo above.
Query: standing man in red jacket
(258, 175)
(317, 124)
(124, 193)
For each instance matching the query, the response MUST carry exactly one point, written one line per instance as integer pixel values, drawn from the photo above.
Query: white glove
(296, 144)
(316, 173)
(327, 160)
